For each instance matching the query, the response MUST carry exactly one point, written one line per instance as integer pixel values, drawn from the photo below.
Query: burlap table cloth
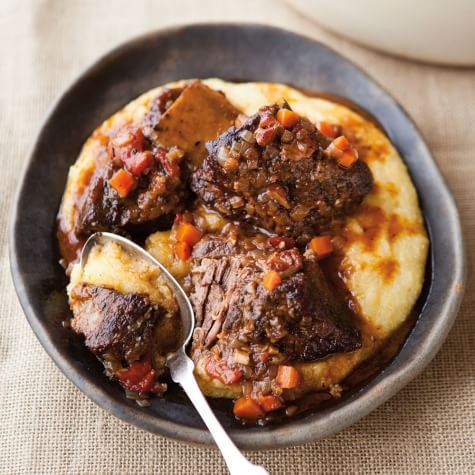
(48, 426)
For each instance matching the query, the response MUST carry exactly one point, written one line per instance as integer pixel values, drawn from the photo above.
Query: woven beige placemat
(47, 426)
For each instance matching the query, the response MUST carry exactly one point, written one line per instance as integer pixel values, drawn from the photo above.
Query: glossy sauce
(70, 243)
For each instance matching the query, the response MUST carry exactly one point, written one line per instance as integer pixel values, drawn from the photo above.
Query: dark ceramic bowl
(233, 52)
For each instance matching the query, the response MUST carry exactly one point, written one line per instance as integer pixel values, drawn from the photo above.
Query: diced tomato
(265, 136)
(264, 356)
(247, 408)
(321, 245)
(146, 384)
(267, 120)
(171, 167)
(270, 403)
(271, 280)
(139, 376)
(287, 117)
(288, 377)
(188, 233)
(122, 182)
(281, 242)
(128, 145)
(182, 250)
(285, 262)
(140, 162)
(218, 369)
(327, 129)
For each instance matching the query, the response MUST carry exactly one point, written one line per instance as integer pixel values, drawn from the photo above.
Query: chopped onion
(143, 402)
(123, 138)
(223, 155)
(287, 136)
(246, 388)
(236, 202)
(291, 410)
(248, 136)
(241, 357)
(236, 146)
(134, 395)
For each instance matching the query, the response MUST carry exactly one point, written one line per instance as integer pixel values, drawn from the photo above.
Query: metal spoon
(180, 365)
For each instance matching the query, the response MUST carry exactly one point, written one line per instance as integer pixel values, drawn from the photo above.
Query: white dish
(437, 31)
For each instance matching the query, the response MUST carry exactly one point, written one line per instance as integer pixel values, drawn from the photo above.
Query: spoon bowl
(187, 314)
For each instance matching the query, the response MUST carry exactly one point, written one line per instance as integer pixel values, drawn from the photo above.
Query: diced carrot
(188, 233)
(287, 117)
(271, 280)
(247, 408)
(348, 158)
(122, 182)
(341, 143)
(182, 250)
(270, 403)
(288, 377)
(321, 245)
(341, 150)
(327, 129)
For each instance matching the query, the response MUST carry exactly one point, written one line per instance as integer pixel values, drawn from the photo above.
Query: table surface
(48, 426)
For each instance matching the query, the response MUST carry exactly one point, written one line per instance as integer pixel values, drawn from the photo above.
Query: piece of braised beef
(158, 191)
(127, 332)
(279, 178)
(301, 317)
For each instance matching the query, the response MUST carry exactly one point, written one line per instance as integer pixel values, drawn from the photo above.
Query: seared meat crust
(117, 324)
(283, 182)
(301, 317)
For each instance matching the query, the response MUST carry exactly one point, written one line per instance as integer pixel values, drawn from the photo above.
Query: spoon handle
(181, 370)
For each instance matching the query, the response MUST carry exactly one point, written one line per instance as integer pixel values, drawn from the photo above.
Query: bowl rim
(316, 425)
